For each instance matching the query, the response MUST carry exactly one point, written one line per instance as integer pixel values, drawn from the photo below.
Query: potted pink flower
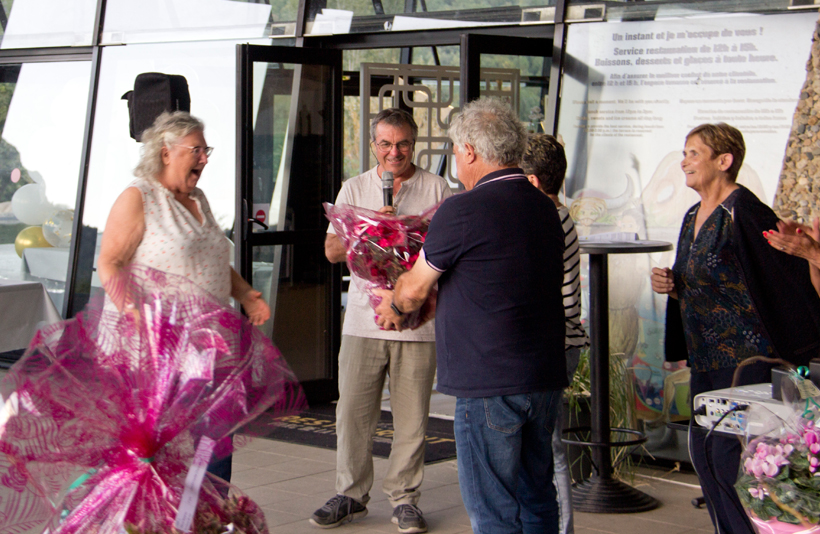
(779, 484)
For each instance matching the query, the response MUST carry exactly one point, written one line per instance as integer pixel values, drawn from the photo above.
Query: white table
(24, 308)
(51, 263)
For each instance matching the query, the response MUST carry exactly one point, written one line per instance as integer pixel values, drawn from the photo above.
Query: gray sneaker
(338, 510)
(409, 519)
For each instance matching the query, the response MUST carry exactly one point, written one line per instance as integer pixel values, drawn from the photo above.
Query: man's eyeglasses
(385, 146)
(199, 150)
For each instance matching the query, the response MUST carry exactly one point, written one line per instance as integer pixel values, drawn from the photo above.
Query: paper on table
(609, 237)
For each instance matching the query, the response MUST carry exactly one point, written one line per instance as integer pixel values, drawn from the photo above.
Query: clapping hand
(796, 239)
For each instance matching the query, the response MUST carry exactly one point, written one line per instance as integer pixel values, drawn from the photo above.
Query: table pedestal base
(609, 496)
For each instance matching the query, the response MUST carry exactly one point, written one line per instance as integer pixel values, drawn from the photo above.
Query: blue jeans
(562, 478)
(223, 466)
(504, 447)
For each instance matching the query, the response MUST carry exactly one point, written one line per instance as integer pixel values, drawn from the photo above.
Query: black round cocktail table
(601, 493)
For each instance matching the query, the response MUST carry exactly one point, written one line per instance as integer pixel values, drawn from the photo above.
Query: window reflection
(592, 10)
(290, 278)
(289, 156)
(127, 21)
(42, 112)
(434, 93)
(42, 23)
(533, 84)
(356, 16)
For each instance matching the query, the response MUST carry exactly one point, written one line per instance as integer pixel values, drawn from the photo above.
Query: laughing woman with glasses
(163, 221)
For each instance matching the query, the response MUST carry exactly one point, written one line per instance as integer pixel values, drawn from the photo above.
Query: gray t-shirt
(417, 194)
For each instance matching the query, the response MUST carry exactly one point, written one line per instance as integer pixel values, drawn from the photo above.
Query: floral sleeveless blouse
(176, 242)
(720, 323)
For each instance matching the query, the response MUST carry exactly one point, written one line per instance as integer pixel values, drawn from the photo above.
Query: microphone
(387, 187)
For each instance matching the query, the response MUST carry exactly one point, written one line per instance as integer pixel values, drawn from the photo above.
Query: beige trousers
(363, 365)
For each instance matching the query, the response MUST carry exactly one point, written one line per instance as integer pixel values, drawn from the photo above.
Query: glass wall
(45, 23)
(356, 16)
(533, 81)
(210, 69)
(663, 9)
(42, 116)
(127, 21)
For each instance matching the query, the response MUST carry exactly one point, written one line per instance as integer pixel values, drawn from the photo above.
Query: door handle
(257, 221)
(251, 220)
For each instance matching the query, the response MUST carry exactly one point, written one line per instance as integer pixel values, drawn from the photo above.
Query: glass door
(516, 69)
(288, 163)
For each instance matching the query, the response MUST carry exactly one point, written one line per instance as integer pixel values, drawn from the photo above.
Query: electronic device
(387, 187)
(759, 416)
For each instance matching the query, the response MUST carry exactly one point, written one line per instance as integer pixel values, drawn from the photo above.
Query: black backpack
(155, 92)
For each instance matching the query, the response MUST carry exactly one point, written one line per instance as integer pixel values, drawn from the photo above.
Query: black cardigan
(779, 284)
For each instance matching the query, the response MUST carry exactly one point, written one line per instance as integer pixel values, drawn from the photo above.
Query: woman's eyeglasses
(385, 146)
(199, 150)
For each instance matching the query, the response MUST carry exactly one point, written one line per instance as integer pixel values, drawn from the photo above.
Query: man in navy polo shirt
(496, 252)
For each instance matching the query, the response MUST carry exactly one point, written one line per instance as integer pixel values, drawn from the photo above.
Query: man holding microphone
(368, 353)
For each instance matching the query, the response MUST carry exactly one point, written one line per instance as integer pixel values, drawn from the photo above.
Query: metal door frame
(245, 239)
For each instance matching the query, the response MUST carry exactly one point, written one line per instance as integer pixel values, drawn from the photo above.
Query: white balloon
(30, 205)
(57, 228)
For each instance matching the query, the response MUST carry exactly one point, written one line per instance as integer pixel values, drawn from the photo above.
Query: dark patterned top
(721, 325)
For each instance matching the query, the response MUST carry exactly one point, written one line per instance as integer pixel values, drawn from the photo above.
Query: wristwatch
(396, 310)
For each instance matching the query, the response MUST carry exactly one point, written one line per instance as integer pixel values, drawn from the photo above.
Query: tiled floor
(291, 481)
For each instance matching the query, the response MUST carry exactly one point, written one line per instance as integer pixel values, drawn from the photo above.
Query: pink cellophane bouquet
(102, 415)
(779, 480)
(380, 247)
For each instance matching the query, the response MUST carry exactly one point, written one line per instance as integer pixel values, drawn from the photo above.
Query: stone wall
(798, 191)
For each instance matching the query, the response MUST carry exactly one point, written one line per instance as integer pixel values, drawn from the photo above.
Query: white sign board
(631, 93)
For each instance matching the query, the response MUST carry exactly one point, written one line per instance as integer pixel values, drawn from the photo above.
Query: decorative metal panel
(432, 95)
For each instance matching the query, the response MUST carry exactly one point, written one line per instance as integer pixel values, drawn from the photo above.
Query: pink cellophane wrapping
(122, 399)
(774, 526)
(380, 247)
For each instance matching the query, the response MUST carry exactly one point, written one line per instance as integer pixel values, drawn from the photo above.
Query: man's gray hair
(493, 129)
(166, 131)
(394, 117)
